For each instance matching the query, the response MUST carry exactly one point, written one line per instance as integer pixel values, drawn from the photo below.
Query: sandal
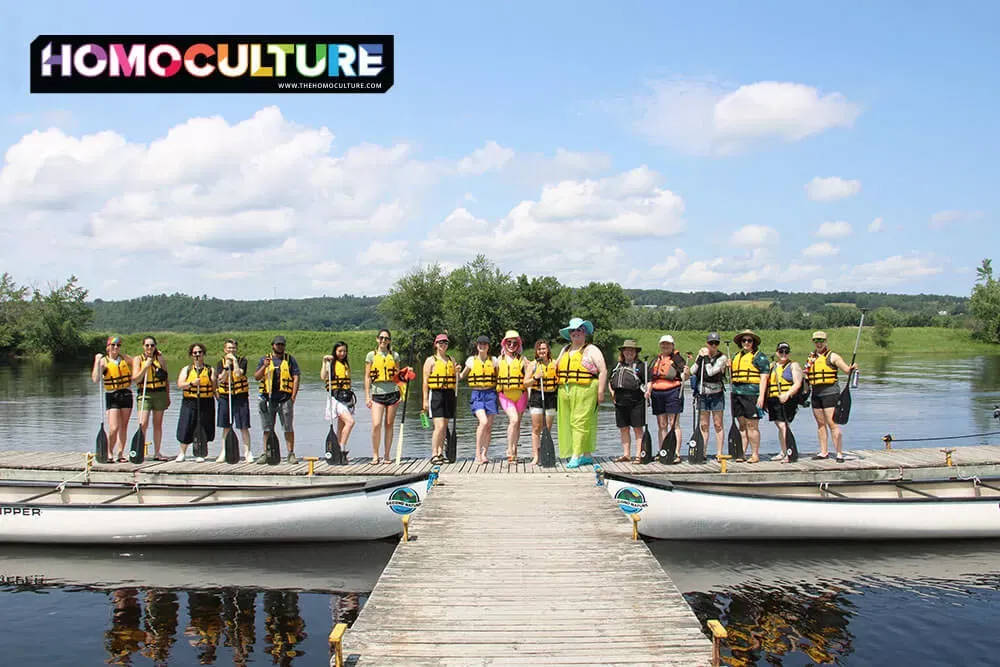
(386, 462)
(122, 459)
(511, 459)
(160, 457)
(376, 460)
(637, 460)
(753, 459)
(622, 459)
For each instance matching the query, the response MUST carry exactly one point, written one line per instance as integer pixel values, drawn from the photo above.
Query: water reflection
(180, 606)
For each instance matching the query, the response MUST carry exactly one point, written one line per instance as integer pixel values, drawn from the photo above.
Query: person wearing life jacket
(231, 378)
(665, 390)
(511, 370)
(338, 387)
(440, 398)
(582, 375)
(197, 384)
(480, 371)
(278, 376)
(114, 369)
(783, 384)
(708, 374)
(382, 394)
(821, 370)
(627, 383)
(750, 369)
(540, 379)
(152, 387)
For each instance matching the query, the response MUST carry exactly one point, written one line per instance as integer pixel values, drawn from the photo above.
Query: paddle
(791, 448)
(735, 438)
(842, 411)
(137, 449)
(333, 454)
(451, 442)
(101, 444)
(406, 398)
(696, 446)
(547, 453)
(646, 448)
(232, 443)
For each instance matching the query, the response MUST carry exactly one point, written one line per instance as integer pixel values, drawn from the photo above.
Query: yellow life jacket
(156, 377)
(570, 369)
(240, 384)
(285, 378)
(442, 375)
(117, 374)
(661, 372)
(482, 375)
(549, 379)
(383, 367)
(510, 376)
(341, 377)
(777, 383)
(744, 371)
(821, 372)
(202, 379)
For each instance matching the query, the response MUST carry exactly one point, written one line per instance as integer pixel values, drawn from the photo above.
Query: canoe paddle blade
(699, 447)
(451, 444)
(646, 449)
(735, 441)
(842, 411)
(137, 448)
(334, 456)
(200, 447)
(668, 452)
(791, 448)
(232, 447)
(547, 455)
(272, 450)
(101, 446)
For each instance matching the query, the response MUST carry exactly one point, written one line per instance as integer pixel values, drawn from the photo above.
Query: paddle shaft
(409, 363)
(857, 341)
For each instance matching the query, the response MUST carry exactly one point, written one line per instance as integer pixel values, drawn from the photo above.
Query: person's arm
(602, 373)
(139, 369)
(98, 368)
(465, 369)
(839, 362)
(324, 367)
(296, 377)
(182, 382)
(428, 367)
(213, 379)
(261, 367)
(796, 383)
(765, 374)
(368, 382)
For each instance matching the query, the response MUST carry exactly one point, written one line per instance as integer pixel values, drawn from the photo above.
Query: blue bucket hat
(576, 323)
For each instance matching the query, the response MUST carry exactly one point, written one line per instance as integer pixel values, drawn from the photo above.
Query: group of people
(758, 387)
(567, 387)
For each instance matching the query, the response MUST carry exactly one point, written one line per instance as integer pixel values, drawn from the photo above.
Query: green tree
(56, 321)
(416, 304)
(886, 319)
(479, 299)
(605, 305)
(13, 307)
(984, 306)
(543, 307)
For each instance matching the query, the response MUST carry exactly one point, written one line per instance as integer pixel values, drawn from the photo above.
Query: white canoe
(337, 567)
(79, 513)
(884, 510)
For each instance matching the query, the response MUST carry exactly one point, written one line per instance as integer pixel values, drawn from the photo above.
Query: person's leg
(157, 430)
(378, 416)
(513, 428)
(537, 419)
(835, 432)
(820, 415)
(717, 422)
(346, 425)
(390, 421)
(438, 436)
(753, 437)
(114, 434)
(286, 412)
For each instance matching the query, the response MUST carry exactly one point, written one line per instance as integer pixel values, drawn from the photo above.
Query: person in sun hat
(750, 368)
(708, 373)
(665, 388)
(114, 369)
(783, 384)
(821, 370)
(440, 400)
(627, 383)
(582, 375)
(511, 370)
(481, 373)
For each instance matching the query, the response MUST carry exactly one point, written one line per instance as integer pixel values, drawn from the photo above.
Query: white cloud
(832, 188)
(754, 236)
(822, 249)
(491, 157)
(875, 226)
(701, 117)
(384, 252)
(890, 271)
(834, 230)
(942, 219)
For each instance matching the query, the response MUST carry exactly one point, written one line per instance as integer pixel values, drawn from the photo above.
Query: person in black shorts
(439, 385)
(821, 370)
(540, 379)
(783, 386)
(627, 382)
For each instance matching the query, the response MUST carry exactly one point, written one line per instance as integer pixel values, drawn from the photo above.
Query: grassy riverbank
(309, 346)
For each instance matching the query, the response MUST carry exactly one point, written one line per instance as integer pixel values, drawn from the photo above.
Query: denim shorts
(483, 399)
(712, 402)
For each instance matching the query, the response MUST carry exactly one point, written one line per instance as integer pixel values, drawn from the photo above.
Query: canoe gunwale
(319, 491)
(743, 490)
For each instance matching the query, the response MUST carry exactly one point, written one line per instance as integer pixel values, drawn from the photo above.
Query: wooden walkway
(862, 465)
(524, 570)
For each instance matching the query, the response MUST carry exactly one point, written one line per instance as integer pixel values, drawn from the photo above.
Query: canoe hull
(681, 513)
(368, 513)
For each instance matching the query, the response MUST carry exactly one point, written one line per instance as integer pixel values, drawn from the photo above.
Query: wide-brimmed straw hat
(630, 344)
(738, 338)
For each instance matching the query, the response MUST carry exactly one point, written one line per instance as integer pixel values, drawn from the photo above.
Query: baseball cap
(483, 339)
(713, 337)
(278, 340)
(441, 337)
(783, 346)
(667, 339)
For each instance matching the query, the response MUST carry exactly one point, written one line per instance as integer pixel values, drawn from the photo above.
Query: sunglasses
(115, 345)
(819, 340)
(442, 342)
(384, 338)
(149, 344)
(713, 342)
(746, 340)
(783, 351)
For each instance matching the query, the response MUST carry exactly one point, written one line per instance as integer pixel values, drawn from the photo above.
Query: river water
(844, 604)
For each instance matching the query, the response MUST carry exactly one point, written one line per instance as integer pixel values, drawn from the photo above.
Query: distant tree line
(34, 322)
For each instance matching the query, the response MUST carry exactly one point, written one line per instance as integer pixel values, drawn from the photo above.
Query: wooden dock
(862, 465)
(534, 569)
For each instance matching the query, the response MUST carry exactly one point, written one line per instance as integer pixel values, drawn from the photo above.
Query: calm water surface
(844, 604)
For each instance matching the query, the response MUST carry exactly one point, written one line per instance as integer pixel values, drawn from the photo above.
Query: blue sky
(659, 145)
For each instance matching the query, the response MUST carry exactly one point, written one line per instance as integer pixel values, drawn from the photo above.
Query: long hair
(338, 344)
(388, 343)
(538, 344)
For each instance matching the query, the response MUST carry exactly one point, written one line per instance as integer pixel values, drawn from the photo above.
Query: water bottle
(424, 421)
(854, 381)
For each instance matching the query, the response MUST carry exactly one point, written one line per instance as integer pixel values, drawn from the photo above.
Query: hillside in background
(806, 301)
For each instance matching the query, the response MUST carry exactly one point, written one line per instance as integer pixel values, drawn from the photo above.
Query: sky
(732, 146)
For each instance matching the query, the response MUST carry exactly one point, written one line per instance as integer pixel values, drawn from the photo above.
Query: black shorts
(826, 399)
(117, 400)
(189, 418)
(630, 415)
(745, 405)
(386, 399)
(775, 413)
(443, 402)
(667, 402)
(535, 400)
(241, 411)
